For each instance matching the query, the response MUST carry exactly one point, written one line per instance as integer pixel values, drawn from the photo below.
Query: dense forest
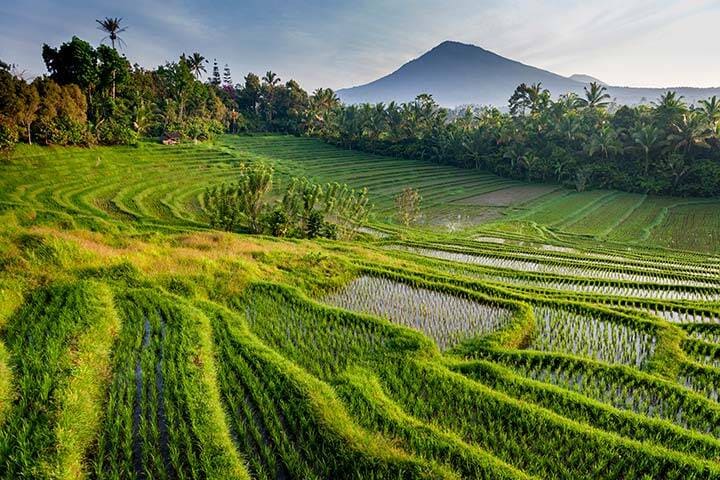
(93, 95)
(664, 148)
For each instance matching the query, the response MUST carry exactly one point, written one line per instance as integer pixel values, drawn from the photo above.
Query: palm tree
(325, 99)
(528, 161)
(322, 102)
(711, 110)
(669, 108)
(111, 26)
(395, 121)
(605, 141)
(595, 97)
(195, 63)
(568, 102)
(271, 81)
(646, 137)
(538, 97)
(271, 78)
(677, 168)
(689, 132)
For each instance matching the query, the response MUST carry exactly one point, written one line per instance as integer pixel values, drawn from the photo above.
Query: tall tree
(595, 97)
(113, 69)
(647, 137)
(74, 62)
(215, 79)
(270, 83)
(710, 109)
(178, 83)
(689, 132)
(196, 63)
(271, 78)
(669, 109)
(28, 103)
(227, 76)
(112, 27)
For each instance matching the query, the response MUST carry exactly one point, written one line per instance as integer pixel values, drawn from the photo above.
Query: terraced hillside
(135, 343)
(155, 187)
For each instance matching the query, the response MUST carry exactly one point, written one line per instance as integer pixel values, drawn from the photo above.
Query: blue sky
(342, 43)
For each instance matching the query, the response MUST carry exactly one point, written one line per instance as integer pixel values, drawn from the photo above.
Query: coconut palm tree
(112, 27)
(538, 96)
(605, 141)
(669, 108)
(647, 138)
(595, 97)
(195, 63)
(271, 78)
(710, 109)
(691, 131)
(322, 102)
(677, 167)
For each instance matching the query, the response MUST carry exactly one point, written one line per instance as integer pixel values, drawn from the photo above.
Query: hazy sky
(342, 43)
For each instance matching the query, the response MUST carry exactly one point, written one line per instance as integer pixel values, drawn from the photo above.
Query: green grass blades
(163, 417)
(59, 344)
(290, 424)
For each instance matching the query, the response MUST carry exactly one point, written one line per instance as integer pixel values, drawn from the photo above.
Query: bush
(278, 223)
(8, 136)
(62, 131)
(198, 128)
(115, 133)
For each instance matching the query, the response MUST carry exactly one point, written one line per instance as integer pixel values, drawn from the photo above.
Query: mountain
(582, 78)
(459, 74)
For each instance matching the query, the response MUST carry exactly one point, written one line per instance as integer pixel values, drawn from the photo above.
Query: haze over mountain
(582, 78)
(458, 74)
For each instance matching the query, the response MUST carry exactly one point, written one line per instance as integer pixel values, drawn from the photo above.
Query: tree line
(94, 95)
(667, 147)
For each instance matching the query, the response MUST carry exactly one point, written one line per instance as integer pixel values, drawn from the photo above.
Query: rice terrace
(204, 278)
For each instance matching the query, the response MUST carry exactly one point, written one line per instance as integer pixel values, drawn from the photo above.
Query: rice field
(446, 318)
(582, 335)
(508, 343)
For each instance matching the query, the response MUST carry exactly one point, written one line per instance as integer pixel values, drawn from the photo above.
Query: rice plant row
(686, 316)
(584, 409)
(163, 418)
(530, 266)
(619, 387)
(526, 434)
(643, 263)
(287, 424)
(618, 291)
(59, 342)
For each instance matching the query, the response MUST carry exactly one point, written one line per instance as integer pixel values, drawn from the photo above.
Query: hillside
(459, 74)
(582, 78)
(138, 343)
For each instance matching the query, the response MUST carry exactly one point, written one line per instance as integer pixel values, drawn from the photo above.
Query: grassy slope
(154, 187)
(204, 355)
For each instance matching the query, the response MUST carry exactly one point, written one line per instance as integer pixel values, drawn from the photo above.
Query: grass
(567, 335)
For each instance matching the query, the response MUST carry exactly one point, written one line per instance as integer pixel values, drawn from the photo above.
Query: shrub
(115, 133)
(8, 136)
(408, 206)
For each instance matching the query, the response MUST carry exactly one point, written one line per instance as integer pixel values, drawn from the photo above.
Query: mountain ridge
(457, 73)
